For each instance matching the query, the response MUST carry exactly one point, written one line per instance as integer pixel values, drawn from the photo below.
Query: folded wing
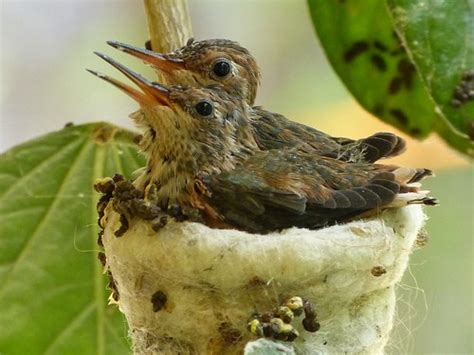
(278, 189)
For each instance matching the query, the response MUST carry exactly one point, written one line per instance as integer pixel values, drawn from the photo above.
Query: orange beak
(163, 62)
(151, 93)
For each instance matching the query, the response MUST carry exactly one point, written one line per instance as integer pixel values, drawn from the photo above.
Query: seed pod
(295, 304)
(311, 325)
(285, 314)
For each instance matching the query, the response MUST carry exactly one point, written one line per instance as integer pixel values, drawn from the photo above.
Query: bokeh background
(46, 45)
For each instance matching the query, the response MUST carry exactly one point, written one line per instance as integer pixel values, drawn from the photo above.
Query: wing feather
(278, 189)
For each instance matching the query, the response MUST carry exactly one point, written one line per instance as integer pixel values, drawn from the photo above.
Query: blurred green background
(46, 45)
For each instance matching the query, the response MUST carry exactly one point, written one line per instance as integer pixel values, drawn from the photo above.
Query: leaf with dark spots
(439, 37)
(365, 25)
(364, 47)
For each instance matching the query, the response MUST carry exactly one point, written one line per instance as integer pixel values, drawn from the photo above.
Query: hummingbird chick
(202, 154)
(225, 62)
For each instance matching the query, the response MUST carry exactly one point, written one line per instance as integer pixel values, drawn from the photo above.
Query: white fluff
(207, 276)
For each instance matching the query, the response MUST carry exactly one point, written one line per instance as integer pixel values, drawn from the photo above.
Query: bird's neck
(174, 168)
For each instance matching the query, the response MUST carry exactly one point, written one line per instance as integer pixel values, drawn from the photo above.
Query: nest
(187, 288)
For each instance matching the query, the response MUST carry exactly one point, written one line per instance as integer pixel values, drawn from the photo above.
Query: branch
(169, 24)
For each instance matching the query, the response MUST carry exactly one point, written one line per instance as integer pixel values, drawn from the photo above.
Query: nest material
(191, 289)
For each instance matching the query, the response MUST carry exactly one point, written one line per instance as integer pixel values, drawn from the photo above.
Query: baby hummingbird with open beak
(225, 62)
(202, 154)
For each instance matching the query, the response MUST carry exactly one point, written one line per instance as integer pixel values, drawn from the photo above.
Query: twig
(169, 24)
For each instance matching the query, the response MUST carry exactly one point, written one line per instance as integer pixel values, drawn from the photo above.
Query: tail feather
(381, 145)
(399, 147)
(406, 175)
(420, 175)
(410, 188)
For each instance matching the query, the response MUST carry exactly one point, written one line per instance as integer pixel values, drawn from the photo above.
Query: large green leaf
(363, 46)
(439, 36)
(52, 290)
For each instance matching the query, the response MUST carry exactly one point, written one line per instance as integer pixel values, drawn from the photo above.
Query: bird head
(203, 63)
(199, 130)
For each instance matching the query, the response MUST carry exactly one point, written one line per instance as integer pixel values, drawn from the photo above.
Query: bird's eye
(204, 108)
(221, 68)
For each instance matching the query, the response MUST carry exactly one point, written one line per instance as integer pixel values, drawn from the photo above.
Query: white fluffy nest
(214, 277)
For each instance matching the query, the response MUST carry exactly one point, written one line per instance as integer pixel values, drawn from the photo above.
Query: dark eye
(221, 68)
(204, 108)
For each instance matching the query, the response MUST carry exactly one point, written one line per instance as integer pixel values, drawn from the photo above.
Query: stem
(169, 24)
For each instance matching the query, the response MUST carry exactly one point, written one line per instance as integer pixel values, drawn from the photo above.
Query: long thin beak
(153, 92)
(162, 62)
(138, 96)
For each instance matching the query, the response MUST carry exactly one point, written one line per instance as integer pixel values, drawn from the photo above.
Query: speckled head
(203, 63)
(189, 130)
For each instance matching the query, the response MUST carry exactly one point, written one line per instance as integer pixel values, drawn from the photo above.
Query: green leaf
(52, 291)
(363, 47)
(439, 36)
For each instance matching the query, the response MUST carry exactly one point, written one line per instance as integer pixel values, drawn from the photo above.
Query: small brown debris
(102, 258)
(159, 223)
(118, 178)
(130, 202)
(277, 324)
(285, 314)
(105, 185)
(104, 133)
(378, 271)
(311, 325)
(282, 331)
(266, 317)
(158, 300)
(256, 281)
(137, 139)
(295, 304)
(309, 309)
(310, 322)
(422, 238)
(123, 226)
(99, 238)
(230, 335)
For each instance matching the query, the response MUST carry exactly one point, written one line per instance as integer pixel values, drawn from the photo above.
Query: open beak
(163, 62)
(151, 93)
